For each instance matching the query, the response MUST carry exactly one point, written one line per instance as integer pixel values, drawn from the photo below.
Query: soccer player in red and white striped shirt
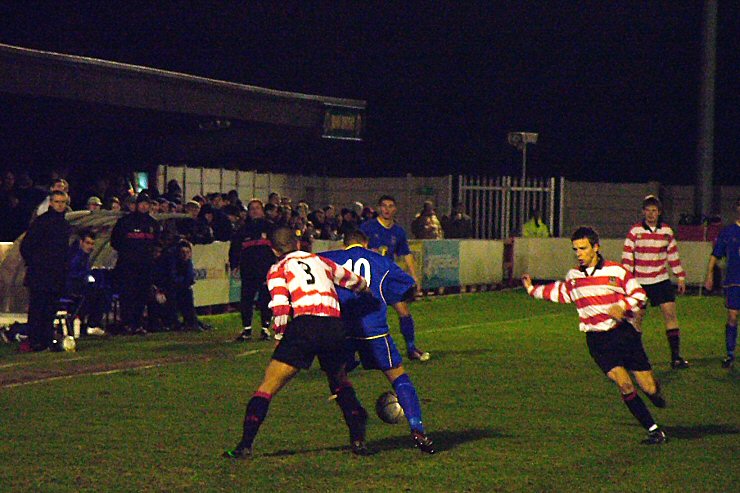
(307, 324)
(608, 298)
(648, 249)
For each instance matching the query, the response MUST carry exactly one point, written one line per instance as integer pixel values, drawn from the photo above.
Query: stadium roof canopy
(67, 107)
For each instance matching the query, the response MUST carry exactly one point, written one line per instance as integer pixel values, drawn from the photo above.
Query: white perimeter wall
(611, 208)
(410, 191)
(551, 258)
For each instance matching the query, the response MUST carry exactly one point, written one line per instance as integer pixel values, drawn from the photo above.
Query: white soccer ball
(68, 344)
(388, 408)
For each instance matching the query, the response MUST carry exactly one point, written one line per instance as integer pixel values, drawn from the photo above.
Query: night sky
(612, 87)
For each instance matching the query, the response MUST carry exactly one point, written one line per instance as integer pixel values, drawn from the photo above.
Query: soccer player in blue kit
(728, 245)
(389, 239)
(366, 323)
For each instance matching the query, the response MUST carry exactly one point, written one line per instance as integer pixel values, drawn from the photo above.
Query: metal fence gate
(500, 205)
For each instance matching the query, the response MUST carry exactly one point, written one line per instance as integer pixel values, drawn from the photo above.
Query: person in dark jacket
(174, 278)
(192, 228)
(44, 249)
(81, 284)
(135, 237)
(251, 255)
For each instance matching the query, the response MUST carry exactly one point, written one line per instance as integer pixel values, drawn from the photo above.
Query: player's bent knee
(277, 375)
(649, 388)
(402, 309)
(394, 373)
(626, 388)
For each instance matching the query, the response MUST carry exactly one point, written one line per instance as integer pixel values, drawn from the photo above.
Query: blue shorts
(732, 297)
(379, 353)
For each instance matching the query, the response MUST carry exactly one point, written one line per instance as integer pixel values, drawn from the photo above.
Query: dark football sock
(674, 341)
(408, 332)
(730, 339)
(639, 410)
(253, 418)
(409, 401)
(354, 414)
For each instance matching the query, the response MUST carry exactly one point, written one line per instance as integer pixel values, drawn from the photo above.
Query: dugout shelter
(93, 114)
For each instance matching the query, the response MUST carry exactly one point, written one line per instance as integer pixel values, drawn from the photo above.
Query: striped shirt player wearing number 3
(307, 325)
(649, 246)
(608, 298)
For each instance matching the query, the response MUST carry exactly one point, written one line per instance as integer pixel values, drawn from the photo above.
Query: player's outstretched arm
(709, 281)
(556, 292)
(345, 277)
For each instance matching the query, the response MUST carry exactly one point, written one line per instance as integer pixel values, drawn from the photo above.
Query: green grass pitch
(510, 396)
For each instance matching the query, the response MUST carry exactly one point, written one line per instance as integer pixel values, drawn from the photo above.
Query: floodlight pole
(522, 218)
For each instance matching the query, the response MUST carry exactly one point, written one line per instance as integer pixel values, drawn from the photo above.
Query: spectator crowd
(154, 273)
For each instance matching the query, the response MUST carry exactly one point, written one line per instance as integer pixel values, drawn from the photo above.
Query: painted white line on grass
(105, 372)
(11, 365)
(497, 322)
(72, 359)
(247, 353)
(96, 373)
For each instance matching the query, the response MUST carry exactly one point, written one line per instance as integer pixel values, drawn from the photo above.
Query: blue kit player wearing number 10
(366, 323)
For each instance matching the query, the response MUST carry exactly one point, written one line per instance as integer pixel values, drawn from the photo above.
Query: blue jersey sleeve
(402, 245)
(395, 285)
(720, 249)
(364, 315)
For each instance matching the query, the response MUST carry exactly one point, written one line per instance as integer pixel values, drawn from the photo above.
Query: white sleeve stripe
(380, 288)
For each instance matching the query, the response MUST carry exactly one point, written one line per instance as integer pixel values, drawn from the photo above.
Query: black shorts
(310, 336)
(621, 346)
(660, 292)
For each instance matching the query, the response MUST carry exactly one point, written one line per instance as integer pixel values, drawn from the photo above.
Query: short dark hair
(586, 232)
(284, 240)
(59, 180)
(355, 236)
(87, 233)
(257, 201)
(651, 200)
(386, 197)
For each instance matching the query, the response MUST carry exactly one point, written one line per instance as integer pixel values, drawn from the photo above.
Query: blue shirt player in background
(389, 239)
(366, 322)
(728, 245)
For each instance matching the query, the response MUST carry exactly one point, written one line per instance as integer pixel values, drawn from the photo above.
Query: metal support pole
(705, 147)
(522, 184)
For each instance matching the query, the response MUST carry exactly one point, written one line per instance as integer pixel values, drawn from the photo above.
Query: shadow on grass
(443, 440)
(694, 432)
(189, 347)
(667, 373)
(699, 431)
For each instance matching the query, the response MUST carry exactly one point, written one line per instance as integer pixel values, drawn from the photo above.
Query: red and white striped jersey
(301, 283)
(647, 250)
(593, 291)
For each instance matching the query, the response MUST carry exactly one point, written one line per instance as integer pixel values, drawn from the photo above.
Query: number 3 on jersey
(361, 267)
(310, 279)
